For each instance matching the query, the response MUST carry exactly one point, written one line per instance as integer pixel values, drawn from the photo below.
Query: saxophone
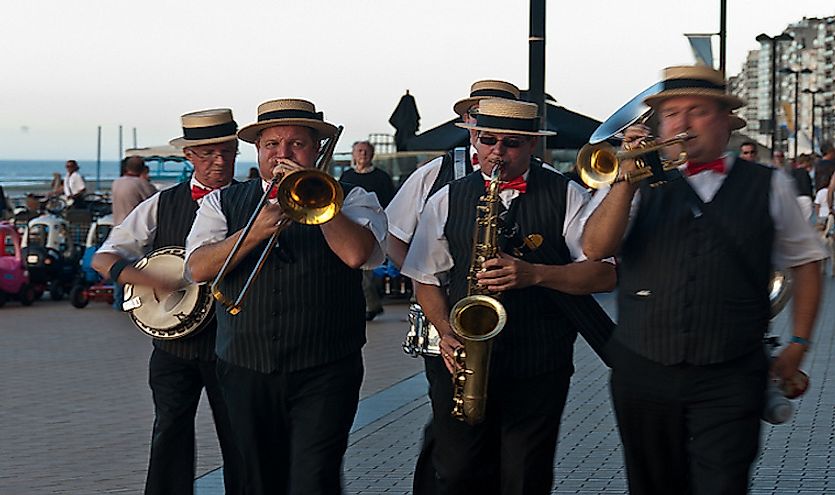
(479, 317)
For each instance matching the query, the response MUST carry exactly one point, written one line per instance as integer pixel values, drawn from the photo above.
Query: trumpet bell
(597, 164)
(310, 197)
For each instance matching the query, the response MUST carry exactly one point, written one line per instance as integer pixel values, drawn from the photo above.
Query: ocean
(35, 175)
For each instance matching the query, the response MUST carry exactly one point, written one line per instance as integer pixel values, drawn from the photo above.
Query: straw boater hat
(693, 80)
(737, 122)
(287, 111)
(206, 127)
(488, 88)
(508, 117)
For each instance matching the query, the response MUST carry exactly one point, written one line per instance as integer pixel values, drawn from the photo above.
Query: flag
(702, 48)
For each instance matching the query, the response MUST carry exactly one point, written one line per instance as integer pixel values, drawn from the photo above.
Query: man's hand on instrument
(161, 284)
(283, 166)
(633, 137)
(267, 221)
(507, 272)
(787, 363)
(449, 344)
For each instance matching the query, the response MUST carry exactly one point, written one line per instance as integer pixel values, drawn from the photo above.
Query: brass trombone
(308, 196)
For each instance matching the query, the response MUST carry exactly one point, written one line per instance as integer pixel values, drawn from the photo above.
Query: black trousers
(512, 451)
(176, 385)
(292, 428)
(688, 429)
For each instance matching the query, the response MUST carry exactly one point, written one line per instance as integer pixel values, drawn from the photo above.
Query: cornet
(599, 163)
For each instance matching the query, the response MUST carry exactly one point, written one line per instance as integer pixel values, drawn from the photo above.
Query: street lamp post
(813, 93)
(772, 40)
(787, 70)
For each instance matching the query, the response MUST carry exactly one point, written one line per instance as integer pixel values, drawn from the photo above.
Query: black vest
(305, 309)
(694, 277)
(538, 336)
(175, 214)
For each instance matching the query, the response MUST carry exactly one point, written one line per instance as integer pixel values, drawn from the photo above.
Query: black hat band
(692, 83)
(290, 114)
(493, 92)
(213, 131)
(527, 125)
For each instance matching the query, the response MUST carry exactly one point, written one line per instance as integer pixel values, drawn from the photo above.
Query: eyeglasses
(213, 154)
(508, 142)
(473, 112)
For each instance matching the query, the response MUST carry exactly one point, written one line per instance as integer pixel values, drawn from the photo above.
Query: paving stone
(77, 413)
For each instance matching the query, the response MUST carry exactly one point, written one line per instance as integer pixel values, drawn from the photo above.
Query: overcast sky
(68, 67)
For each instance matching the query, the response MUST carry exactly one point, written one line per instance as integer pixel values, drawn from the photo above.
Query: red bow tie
(717, 166)
(198, 192)
(518, 184)
(274, 192)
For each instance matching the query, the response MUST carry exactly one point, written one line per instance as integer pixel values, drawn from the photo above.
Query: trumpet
(600, 163)
(308, 196)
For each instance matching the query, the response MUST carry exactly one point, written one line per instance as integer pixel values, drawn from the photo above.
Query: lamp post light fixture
(812, 92)
(787, 70)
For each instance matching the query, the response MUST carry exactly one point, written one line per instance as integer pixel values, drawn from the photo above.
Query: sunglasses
(508, 142)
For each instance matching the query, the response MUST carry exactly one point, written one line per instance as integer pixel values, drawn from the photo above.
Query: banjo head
(167, 315)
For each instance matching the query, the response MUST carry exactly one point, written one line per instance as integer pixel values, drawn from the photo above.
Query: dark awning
(573, 131)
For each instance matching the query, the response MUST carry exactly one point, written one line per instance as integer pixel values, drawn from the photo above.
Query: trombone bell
(310, 196)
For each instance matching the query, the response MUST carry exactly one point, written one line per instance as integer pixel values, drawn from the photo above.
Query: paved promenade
(76, 412)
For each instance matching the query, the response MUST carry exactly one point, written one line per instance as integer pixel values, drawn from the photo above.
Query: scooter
(89, 285)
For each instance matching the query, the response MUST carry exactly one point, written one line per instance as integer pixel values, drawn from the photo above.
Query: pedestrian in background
(365, 175)
(130, 189)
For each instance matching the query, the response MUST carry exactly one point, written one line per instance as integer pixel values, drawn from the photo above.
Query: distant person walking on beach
(180, 368)
(74, 186)
(130, 189)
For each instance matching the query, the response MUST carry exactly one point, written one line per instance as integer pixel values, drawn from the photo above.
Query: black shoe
(370, 315)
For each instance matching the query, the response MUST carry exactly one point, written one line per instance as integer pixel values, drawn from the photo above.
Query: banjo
(175, 315)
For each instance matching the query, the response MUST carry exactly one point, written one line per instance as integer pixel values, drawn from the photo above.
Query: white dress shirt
(429, 261)
(360, 206)
(795, 242)
(133, 238)
(405, 208)
(73, 184)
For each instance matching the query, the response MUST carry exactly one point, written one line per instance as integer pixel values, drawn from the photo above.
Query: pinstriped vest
(175, 214)
(684, 295)
(537, 337)
(305, 309)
